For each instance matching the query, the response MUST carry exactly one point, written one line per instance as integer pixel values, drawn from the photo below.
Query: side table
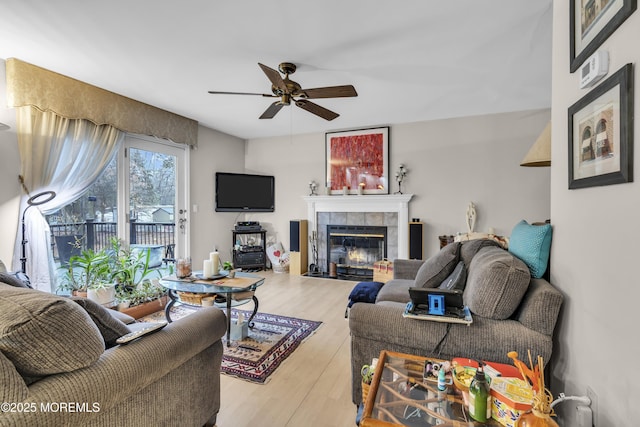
(394, 401)
(242, 283)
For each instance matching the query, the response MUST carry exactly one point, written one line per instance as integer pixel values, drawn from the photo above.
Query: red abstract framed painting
(358, 161)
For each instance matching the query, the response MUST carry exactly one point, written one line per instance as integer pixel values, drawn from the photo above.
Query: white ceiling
(409, 60)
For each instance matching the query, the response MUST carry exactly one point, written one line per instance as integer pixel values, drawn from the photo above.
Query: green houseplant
(132, 275)
(88, 270)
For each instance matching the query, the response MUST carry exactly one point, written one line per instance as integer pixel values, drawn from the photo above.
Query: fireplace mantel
(398, 203)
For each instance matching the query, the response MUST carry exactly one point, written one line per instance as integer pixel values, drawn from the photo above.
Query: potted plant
(136, 294)
(89, 270)
(129, 268)
(145, 298)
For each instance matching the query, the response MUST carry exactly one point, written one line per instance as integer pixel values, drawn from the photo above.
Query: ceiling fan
(288, 90)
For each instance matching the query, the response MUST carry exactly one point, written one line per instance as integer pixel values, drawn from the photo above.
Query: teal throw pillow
(532, 244)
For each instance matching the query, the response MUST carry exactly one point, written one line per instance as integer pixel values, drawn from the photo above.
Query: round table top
(242, 282)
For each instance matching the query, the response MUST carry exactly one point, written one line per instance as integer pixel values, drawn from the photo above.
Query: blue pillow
(364, 292)
(532, 244)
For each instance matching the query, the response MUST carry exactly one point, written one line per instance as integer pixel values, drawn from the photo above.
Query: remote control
(153, 327)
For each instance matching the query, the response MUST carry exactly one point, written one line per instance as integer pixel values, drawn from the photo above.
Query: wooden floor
(313, 386)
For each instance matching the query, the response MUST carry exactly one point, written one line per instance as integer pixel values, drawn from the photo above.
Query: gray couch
(510, 310)
(56, 368)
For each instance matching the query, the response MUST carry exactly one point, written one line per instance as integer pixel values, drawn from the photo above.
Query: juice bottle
(479, 396)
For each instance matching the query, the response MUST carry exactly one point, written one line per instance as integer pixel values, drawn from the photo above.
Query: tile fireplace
(388, 211)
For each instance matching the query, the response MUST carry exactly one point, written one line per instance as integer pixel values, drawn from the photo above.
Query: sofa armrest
(540, 307)
(124, 370)
(406, 268)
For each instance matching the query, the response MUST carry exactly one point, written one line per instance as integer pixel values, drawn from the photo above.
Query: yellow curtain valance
(29, 85)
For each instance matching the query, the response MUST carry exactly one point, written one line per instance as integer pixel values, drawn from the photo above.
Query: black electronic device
(247, 223)
(239, 192)
(415, 240)
(248, 227)
(452, 297)
(246, 259)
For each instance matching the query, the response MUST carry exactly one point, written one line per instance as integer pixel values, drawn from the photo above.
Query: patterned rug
(272, 339)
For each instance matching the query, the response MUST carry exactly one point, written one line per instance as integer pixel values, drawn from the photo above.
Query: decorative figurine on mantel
(312, 188)
(400, 175)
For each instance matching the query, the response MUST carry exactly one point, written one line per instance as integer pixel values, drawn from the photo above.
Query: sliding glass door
(153, 197)
(140, 198)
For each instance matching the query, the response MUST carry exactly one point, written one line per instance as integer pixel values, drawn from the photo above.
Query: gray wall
(451, 163)
(9, 170)
(216, 151)
(595, 232)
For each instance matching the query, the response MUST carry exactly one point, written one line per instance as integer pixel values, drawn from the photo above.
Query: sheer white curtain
(61, 155)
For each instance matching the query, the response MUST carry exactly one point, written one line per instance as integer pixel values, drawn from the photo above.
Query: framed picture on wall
(601, 133)
(591, 22)
(358, 161)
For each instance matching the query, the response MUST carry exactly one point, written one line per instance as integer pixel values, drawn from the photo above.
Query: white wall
(594, 252)
(9, 170)
(451, 163)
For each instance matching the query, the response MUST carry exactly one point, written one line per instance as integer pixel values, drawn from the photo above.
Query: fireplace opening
(354, 249)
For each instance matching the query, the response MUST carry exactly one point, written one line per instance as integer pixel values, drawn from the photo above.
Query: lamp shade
(540, 152)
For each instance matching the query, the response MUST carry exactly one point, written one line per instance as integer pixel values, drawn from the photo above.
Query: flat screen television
(240, 192)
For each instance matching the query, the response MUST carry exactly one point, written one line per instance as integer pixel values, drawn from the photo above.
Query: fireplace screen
(353, 249)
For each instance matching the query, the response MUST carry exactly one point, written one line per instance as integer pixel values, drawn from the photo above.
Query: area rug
(272, 339)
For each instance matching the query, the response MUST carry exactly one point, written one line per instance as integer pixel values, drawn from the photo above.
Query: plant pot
(104, 296)
(146, 308)
(123, 305)
(82, 294)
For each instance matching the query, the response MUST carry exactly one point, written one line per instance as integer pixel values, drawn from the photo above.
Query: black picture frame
(601, 133)
(590, 26)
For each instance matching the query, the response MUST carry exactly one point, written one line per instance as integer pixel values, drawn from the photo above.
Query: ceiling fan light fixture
(288, 90)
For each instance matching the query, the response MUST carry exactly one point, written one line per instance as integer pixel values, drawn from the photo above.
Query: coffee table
(243, 283)
(392, 402)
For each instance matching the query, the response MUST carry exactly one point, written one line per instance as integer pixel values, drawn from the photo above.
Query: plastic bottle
(479, 396)
(442, 385)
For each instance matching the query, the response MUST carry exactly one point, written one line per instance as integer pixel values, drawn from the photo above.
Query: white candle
(215, 261)
(207, 269)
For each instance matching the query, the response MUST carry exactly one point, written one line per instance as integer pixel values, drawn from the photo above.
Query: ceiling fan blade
(272, 110)
(330, 92)
(275, 77)
(215, 92)
(316, 109)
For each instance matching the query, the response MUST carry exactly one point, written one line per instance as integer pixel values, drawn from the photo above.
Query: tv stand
(249, 249)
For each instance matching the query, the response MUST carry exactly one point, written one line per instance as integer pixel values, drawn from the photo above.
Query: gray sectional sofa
(510, 310)
(59, 365)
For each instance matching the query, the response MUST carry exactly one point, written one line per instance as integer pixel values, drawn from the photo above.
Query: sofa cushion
(470, 248)
(17, 279)
(109, 326)
(496, 283)
(457, 279)
(395, 290)
(532, 244)
(44, 334)
(437, 268)
(13, 389)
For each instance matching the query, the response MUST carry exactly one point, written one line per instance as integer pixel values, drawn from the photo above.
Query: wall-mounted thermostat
(594, 68)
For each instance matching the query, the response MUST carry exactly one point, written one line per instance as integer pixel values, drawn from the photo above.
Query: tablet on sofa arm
(440, 305)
